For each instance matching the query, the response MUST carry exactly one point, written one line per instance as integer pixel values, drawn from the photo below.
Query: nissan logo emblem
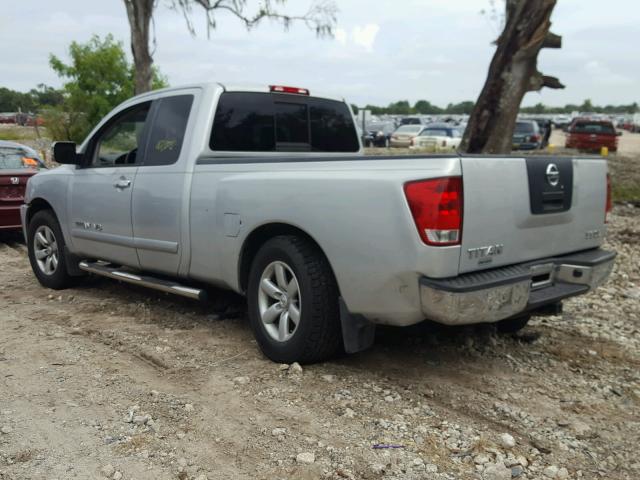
(553, 174)
(15, 180)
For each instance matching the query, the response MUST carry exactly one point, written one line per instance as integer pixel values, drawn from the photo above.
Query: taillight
(535, 138)
(282, 89)
(436, 206)
(609, 205)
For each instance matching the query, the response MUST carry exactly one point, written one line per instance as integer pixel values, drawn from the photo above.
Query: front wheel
(46, 249)
(293, 302)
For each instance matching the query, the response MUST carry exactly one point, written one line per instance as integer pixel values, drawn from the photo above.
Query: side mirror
(65, 153)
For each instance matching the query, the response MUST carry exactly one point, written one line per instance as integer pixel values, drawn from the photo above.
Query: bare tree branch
(321, 15)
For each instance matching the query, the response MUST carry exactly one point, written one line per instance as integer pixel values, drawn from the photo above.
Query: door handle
(122, 183)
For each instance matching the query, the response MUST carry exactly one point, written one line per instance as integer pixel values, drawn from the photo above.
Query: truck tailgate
(521, 209)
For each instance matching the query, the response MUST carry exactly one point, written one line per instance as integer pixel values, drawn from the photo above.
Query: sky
(382, 50)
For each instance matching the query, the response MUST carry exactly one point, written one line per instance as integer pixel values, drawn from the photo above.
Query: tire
(43, 233)
(513, 325)
(317, 334)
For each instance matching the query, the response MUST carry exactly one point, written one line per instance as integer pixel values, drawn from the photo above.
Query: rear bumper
(493, 295)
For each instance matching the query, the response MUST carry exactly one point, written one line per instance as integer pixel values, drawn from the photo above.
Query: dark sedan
(527, 136)
(378, 134)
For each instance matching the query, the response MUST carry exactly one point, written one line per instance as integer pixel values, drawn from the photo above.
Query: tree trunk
(140, 13)
(512, 73)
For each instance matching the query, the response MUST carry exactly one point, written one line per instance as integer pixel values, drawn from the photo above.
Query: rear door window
(168, 130)
(262, 122)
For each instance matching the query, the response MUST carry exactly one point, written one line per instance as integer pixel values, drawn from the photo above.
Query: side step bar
(106, 270)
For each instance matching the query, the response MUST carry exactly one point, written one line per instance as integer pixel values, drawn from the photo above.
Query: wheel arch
(37, 205)
(258, 237)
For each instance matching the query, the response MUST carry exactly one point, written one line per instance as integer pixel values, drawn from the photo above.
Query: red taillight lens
(609, 206)
(436, 206)
(283, 89)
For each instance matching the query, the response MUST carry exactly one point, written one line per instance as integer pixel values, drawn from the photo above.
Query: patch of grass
(16, 133)
(625, 178)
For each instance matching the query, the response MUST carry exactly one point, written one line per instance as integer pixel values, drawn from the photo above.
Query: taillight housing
(609, 204)
(436, 205)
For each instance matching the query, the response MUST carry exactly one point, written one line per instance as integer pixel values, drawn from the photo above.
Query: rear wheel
(513, 325)
(293, 302)
(46, 248)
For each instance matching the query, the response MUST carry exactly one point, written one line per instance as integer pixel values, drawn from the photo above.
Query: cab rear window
(264, 122)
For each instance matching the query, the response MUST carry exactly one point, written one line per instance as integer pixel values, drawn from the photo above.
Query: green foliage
(99, 77)
(424, 107)
(13, 101)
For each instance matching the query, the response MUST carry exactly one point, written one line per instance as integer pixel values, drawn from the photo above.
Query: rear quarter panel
(355, 210)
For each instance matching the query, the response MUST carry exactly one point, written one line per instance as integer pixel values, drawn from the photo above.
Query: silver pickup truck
(265, 191)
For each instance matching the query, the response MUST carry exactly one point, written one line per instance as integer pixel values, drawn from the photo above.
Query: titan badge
(485, 254)
(89, 226)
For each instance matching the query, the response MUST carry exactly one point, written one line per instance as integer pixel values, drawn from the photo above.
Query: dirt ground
(109, 381)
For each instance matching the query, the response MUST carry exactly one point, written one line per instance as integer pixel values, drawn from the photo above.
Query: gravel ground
(109, 381)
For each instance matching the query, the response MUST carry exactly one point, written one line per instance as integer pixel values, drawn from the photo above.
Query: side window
(119, 142)
(168, 130)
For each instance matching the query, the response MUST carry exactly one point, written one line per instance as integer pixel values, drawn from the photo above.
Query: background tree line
(424, 107)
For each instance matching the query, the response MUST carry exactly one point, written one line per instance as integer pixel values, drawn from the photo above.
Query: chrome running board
(106, 270)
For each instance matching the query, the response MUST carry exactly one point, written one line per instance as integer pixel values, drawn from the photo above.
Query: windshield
(16, 159)
(409, 129)
(524, 127)
(592, 127)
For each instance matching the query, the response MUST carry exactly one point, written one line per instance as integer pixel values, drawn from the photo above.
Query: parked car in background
(561, 121)
(526, 135)
(378, 134)
(402, 136)
(591, 135)
(411, 121)
(18, 163)
(438, 138)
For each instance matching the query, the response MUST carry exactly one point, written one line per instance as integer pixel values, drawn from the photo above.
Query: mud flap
(358, 333)
(71, 262)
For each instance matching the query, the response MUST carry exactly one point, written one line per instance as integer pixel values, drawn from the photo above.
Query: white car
(438, 139)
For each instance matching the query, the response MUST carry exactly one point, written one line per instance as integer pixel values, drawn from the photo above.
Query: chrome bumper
(493, 295)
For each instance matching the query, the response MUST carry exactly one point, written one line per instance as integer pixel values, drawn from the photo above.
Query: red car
(18, 163)
(592, 135)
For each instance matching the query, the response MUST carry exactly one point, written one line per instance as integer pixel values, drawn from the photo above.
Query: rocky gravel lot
(109, 381)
